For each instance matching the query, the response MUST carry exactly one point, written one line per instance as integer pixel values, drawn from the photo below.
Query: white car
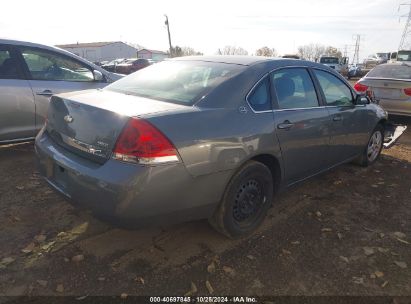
(30, 74)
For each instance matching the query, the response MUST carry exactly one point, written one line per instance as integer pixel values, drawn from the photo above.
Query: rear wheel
(374, 146)
(246, 201)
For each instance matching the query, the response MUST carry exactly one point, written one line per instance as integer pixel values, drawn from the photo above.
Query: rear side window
(395, 71)
(8, 65)
(294, 89)
(335, 91)
(259, 98)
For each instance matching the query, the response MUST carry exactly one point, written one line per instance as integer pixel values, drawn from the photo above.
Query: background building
(101, 51)
(152, 54)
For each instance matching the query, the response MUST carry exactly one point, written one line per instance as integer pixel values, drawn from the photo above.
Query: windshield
(382, 55)
(395, 71)
(182, 82)
(332, 60)
(404, 56)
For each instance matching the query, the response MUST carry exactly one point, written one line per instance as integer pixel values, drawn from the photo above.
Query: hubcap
(248, 202)
(374, 146)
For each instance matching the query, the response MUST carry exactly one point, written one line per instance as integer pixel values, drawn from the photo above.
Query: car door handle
(286, 125)
(337, 118)
(45, 93)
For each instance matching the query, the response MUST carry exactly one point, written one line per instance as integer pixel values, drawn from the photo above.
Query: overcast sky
(209, 25)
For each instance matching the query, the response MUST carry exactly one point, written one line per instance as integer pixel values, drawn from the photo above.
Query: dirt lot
(346, 232)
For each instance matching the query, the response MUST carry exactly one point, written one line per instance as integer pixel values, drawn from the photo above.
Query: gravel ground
(345, 232)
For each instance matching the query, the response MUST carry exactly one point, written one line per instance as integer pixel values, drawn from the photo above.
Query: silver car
(29, 74)
(205, 137)
(390, 86)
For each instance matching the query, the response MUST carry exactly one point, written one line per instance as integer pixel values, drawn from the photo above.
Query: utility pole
(169, 36)
(405, 42)
(356, 57)
(345, 50)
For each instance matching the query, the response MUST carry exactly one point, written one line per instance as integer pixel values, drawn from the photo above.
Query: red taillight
(407, 91)
(141, 142)
(360, 87)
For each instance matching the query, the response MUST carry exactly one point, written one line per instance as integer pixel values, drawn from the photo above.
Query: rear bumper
(142, 194)
(396, 107)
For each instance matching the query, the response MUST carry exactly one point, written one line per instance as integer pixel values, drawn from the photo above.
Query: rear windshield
(182, 82)
(395, 71)
(329, 60)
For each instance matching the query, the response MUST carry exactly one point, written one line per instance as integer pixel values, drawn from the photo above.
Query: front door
(302, 124)
(53, 73)
(347, 137)
(17, 108)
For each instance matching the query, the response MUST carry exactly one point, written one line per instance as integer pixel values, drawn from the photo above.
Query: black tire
(365, 160)
(246, 200)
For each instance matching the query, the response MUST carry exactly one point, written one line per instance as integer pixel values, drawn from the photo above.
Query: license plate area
(387, 93)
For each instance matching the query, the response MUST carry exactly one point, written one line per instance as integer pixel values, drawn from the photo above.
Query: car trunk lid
(89, 123)
(387, 88)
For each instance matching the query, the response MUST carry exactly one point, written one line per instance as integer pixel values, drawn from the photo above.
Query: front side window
(259, 99)
(183, 82)
(294, 89)
(44, 65)
(335, 91)
(8, 65)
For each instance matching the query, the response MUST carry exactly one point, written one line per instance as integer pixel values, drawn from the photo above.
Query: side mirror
(98, 76)
(362, 99)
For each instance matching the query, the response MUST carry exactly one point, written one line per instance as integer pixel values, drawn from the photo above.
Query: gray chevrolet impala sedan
(205, 137)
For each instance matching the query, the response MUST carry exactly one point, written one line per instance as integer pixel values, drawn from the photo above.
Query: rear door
(349, 122)
(17, 108)
(52, 73)
(302, 124)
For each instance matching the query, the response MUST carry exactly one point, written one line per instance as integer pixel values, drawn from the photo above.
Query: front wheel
(245, 202)
(374, 146)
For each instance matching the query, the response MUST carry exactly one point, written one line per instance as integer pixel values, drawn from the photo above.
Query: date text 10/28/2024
(204, 299)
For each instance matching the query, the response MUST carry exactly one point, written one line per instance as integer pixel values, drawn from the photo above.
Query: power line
(405, 42)
(356, 57)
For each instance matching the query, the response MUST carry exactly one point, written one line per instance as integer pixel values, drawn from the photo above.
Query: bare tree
(312, 51)
(232, 50)
(184, 51)
(266, 51)
(189, 51)
(332, 51)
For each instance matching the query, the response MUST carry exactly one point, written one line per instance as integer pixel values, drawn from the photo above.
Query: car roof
(32, 44)
(241, 60)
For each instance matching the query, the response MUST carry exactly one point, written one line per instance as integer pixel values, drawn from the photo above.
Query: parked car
(390, 85)
(375, 59)
(291, 56)
(29, 74)
(132, 65)
(205, 137)
(355, 70)
(112, 65)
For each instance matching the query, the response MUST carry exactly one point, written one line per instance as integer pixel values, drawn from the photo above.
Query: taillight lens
(407, 91)
(141, 142)
(360, 87)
